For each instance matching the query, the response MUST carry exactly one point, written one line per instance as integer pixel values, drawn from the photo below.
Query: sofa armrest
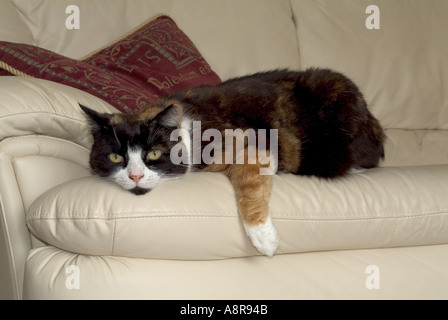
(29, 166)
(35, 106)
(44, 141)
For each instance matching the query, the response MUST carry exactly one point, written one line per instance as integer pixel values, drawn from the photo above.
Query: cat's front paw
(264, 237)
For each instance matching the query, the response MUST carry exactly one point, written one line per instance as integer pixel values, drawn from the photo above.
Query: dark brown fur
(324, 127)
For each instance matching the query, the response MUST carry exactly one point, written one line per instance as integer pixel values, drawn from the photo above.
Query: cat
(322, 124)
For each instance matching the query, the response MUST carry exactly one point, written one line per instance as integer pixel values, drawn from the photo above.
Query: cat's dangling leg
(253, 192)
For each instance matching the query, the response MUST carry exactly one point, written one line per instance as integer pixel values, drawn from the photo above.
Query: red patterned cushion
(130, 74)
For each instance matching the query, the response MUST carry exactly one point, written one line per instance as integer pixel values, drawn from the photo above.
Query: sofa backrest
(12, 27)
(396, 51)
(236, 37)
(402, 67)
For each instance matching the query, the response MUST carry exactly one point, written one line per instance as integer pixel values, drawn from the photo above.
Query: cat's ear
(97, 120)
(171, 116)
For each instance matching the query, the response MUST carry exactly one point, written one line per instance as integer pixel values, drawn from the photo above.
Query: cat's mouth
(139, 191)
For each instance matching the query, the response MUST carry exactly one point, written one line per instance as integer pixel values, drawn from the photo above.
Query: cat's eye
(154, 154)
(115, 158)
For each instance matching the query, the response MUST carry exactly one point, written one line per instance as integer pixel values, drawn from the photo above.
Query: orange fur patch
(253, 190)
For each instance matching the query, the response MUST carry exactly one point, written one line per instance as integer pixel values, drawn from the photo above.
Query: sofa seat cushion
(196, 217)
(405, 273)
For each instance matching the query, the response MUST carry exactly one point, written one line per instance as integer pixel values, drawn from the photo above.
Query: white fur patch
(264, 237)
(149, 178)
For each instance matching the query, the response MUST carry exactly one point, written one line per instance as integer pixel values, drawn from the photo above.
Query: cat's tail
(368, 146)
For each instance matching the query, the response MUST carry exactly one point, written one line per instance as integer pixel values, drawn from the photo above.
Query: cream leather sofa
(380, 234)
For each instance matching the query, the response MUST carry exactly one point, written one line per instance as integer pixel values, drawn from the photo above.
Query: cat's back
(279, 77)
(249, 101)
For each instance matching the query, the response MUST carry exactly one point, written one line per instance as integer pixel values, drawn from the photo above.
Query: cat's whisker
(116, 138)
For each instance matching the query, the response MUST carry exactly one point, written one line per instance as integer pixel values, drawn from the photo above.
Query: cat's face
(134, 153)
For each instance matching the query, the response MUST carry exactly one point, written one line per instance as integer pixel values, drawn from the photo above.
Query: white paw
(264, 237)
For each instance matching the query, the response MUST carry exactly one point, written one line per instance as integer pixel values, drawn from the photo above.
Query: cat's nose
(135, 178)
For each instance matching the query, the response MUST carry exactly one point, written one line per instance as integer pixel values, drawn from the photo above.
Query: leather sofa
(378, 234)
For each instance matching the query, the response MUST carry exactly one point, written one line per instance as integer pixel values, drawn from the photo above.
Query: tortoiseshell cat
(323, 128)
